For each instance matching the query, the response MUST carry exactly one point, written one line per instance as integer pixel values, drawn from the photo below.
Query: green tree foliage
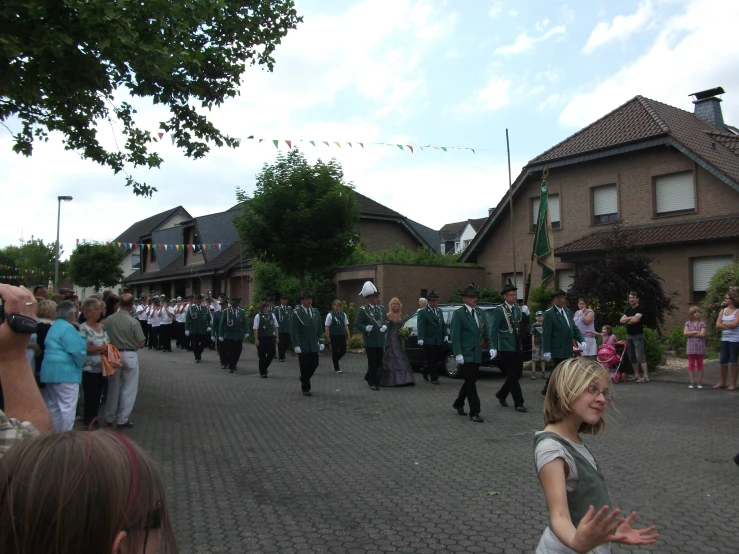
(486, 296)
(270, 282)
(95, 265)
(654, 350)
(34, 256)
(301, 217)
(606, 284)
(64, 65)
(725, 278)
(540, 299)
(403, 255)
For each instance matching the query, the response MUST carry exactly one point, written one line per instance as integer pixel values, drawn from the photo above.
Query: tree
(33, 262)
(606, 284)
(485, 296)
(725, 279)
(95, 265)
(63, 63)
(270, 282)
(301, 217)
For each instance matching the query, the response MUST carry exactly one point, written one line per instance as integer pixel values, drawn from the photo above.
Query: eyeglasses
(595, 391)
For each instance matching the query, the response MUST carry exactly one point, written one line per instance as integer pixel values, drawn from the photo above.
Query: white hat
(179, 298)
(369, 289)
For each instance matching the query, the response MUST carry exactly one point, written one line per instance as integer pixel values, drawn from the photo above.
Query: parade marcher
(266, 332)
(282, 313)
(232, 329)
(179, 322)
(153, 322)
(370, 321)
(506, 346)
(432, 334)
(306, 334)
(197, 326)
(143, 316)
(558, 333)
(215, 329)
(337, 333)
(468, 332)
(166, 326)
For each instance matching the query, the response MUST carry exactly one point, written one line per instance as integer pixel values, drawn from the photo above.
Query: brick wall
(383, 235)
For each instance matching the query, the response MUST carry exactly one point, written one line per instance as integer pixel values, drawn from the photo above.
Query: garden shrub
(653, 347)
(676, 338)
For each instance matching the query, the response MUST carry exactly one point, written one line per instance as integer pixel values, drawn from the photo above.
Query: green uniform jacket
(197, 319)
(282, 313)
(233, 324)
(266, 325)
(467, 337)
(367, 315)
(339, 323)
(557, 336)
(306, 331)
(215, 328)
(504, 337)
(431, 328)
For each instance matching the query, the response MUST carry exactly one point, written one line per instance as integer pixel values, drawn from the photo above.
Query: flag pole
(510, 205)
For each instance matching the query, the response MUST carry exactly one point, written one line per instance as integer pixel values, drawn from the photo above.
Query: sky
(413, 72)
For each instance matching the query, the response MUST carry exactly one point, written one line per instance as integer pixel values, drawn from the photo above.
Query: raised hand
(596, 528)
(625, 534)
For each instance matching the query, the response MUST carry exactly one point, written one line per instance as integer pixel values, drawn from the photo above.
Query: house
(381, 228)
(669, 176)
(455, 237)
(131, 259)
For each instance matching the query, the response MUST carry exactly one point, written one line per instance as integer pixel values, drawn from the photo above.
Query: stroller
(610, 359)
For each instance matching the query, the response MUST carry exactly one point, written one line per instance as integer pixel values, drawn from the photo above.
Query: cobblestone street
(251, 465)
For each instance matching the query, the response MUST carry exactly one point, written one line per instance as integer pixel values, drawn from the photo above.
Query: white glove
(493, 353)
(547, 357)
(298, 350)
(220, 339)
(383, 328)
(459, 358)
(187, 333)
(525, 310)
(446, 339)
(208, 329)
(321, 347)
(420, 343)
(368, 328)
(583, 345)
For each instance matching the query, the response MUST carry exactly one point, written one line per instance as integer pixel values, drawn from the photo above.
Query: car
(415, 353)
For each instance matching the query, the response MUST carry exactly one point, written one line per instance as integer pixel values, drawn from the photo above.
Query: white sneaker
(699, 387)
(691, 386)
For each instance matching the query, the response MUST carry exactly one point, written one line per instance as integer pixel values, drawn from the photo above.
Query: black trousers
(154, 337)
(512, 363)
(469, 372)
(146, 328)
(338, 349)
(221, 349)
(179, 330)
(266, 353)
(434, 358)
(374, 364)
(92, 388)
(232, 351)
(165, 337)
(198, 344)
(284, 343)
(556, 361)
(308, 363)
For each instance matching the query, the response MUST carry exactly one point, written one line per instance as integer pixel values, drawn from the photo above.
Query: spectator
(39, 291)
(422, 303)
(97, 346)
(112, 303)
(635, 337)
(25, 413)
(126, 335)
(585, 321)
(65, 352)
(46, 316)
(695, 331)
(728, 323)
(81, 493)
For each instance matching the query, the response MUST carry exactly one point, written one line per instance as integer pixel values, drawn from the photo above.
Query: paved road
(253, 466)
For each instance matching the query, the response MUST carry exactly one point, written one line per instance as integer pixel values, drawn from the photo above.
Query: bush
(653, 347)
(354, 342)
(540, 298)
(725, 278)
(351, 315)
(486, 296)
(676, 338)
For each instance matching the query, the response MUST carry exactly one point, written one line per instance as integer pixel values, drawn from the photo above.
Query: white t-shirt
(141, 312)
(156, 319)
(180, 314)
(546, 452)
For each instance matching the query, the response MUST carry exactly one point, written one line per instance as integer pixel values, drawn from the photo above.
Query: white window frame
(702, 270)
(605, 204)
(674, 193)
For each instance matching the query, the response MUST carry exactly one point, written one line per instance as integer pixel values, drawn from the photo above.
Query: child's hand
(627, 535)
(595, 529)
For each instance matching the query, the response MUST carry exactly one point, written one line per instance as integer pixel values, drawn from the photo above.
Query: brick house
(670, 177)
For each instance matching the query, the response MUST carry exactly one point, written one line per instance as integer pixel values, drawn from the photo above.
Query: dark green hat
(508, 287)
(470, 290)
(305, 294)
(432, 296)
(559, 292)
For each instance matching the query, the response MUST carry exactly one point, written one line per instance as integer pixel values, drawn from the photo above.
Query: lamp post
(56, 260)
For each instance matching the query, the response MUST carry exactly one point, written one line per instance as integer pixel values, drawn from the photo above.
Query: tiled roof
(427, 233)
(369, 207)
(654, 235)
(451, 231)
(169, 236)
(217, 228)
(147, 226)
(477, 223)
(727, 140)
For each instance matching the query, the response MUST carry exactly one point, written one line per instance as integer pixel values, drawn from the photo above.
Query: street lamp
(56, 261)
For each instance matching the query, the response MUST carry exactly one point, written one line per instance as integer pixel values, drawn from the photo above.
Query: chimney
(708, 107)
(491, 210)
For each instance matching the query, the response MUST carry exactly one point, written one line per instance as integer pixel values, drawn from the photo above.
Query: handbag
(111, 361)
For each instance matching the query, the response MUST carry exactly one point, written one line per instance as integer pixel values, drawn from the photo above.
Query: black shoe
(425, 376)
(435, 382)
(263, 376)
(374, 387)
(127, 425)
(282, 359)
(307, 393)
(522, 409)
(460, 409)
(231, 370)
(197, 360)
(736, 459)
(544, 392)
(502, 401)
(338, 371)
(476, 418)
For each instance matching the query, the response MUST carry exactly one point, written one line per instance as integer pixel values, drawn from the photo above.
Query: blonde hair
(395, 299)
(734, 297)
(336, 301)
(693, 310)
(47, 309)
(569, 380)
(90, 303)
(609, 329)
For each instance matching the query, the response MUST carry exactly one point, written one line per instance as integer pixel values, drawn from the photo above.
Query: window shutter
(605, 200)
(535, 212)
(553, 209)
(566, 278)
(675, 192)
(705, 268)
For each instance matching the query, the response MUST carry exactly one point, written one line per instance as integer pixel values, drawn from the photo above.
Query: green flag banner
(544, 241)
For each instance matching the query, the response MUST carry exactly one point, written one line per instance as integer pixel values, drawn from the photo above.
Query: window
(518, 282)
(565, 278)
(674, 193)
(703, 271)
(443, 248)
(196, 246)
(553, 200)
(605, 204)
(466, 243)
(153, 252)
(135, 261)
(456, 246)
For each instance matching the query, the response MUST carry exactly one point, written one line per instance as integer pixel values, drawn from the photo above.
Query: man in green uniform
(266, 330)
(558, 333)
(370, 320)
(217, 316)
(468, 332)
(506, 346)
(232, 329)
(197, 326)
(432, 334)
(306, 333)
(282, 313)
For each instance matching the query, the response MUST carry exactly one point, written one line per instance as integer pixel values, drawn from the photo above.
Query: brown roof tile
(654, 235)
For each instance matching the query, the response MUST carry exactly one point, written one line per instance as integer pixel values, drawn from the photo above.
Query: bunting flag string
(157, 246)
(32, 271)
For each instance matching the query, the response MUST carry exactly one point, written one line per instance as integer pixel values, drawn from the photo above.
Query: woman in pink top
(695, 330)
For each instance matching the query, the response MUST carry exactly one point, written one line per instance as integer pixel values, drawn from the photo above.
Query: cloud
(551, 74)
(524, 42)
(493, 96)
(542, 25)
(495, 9)
(551, 101)
(621, 27)
(661, 73)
